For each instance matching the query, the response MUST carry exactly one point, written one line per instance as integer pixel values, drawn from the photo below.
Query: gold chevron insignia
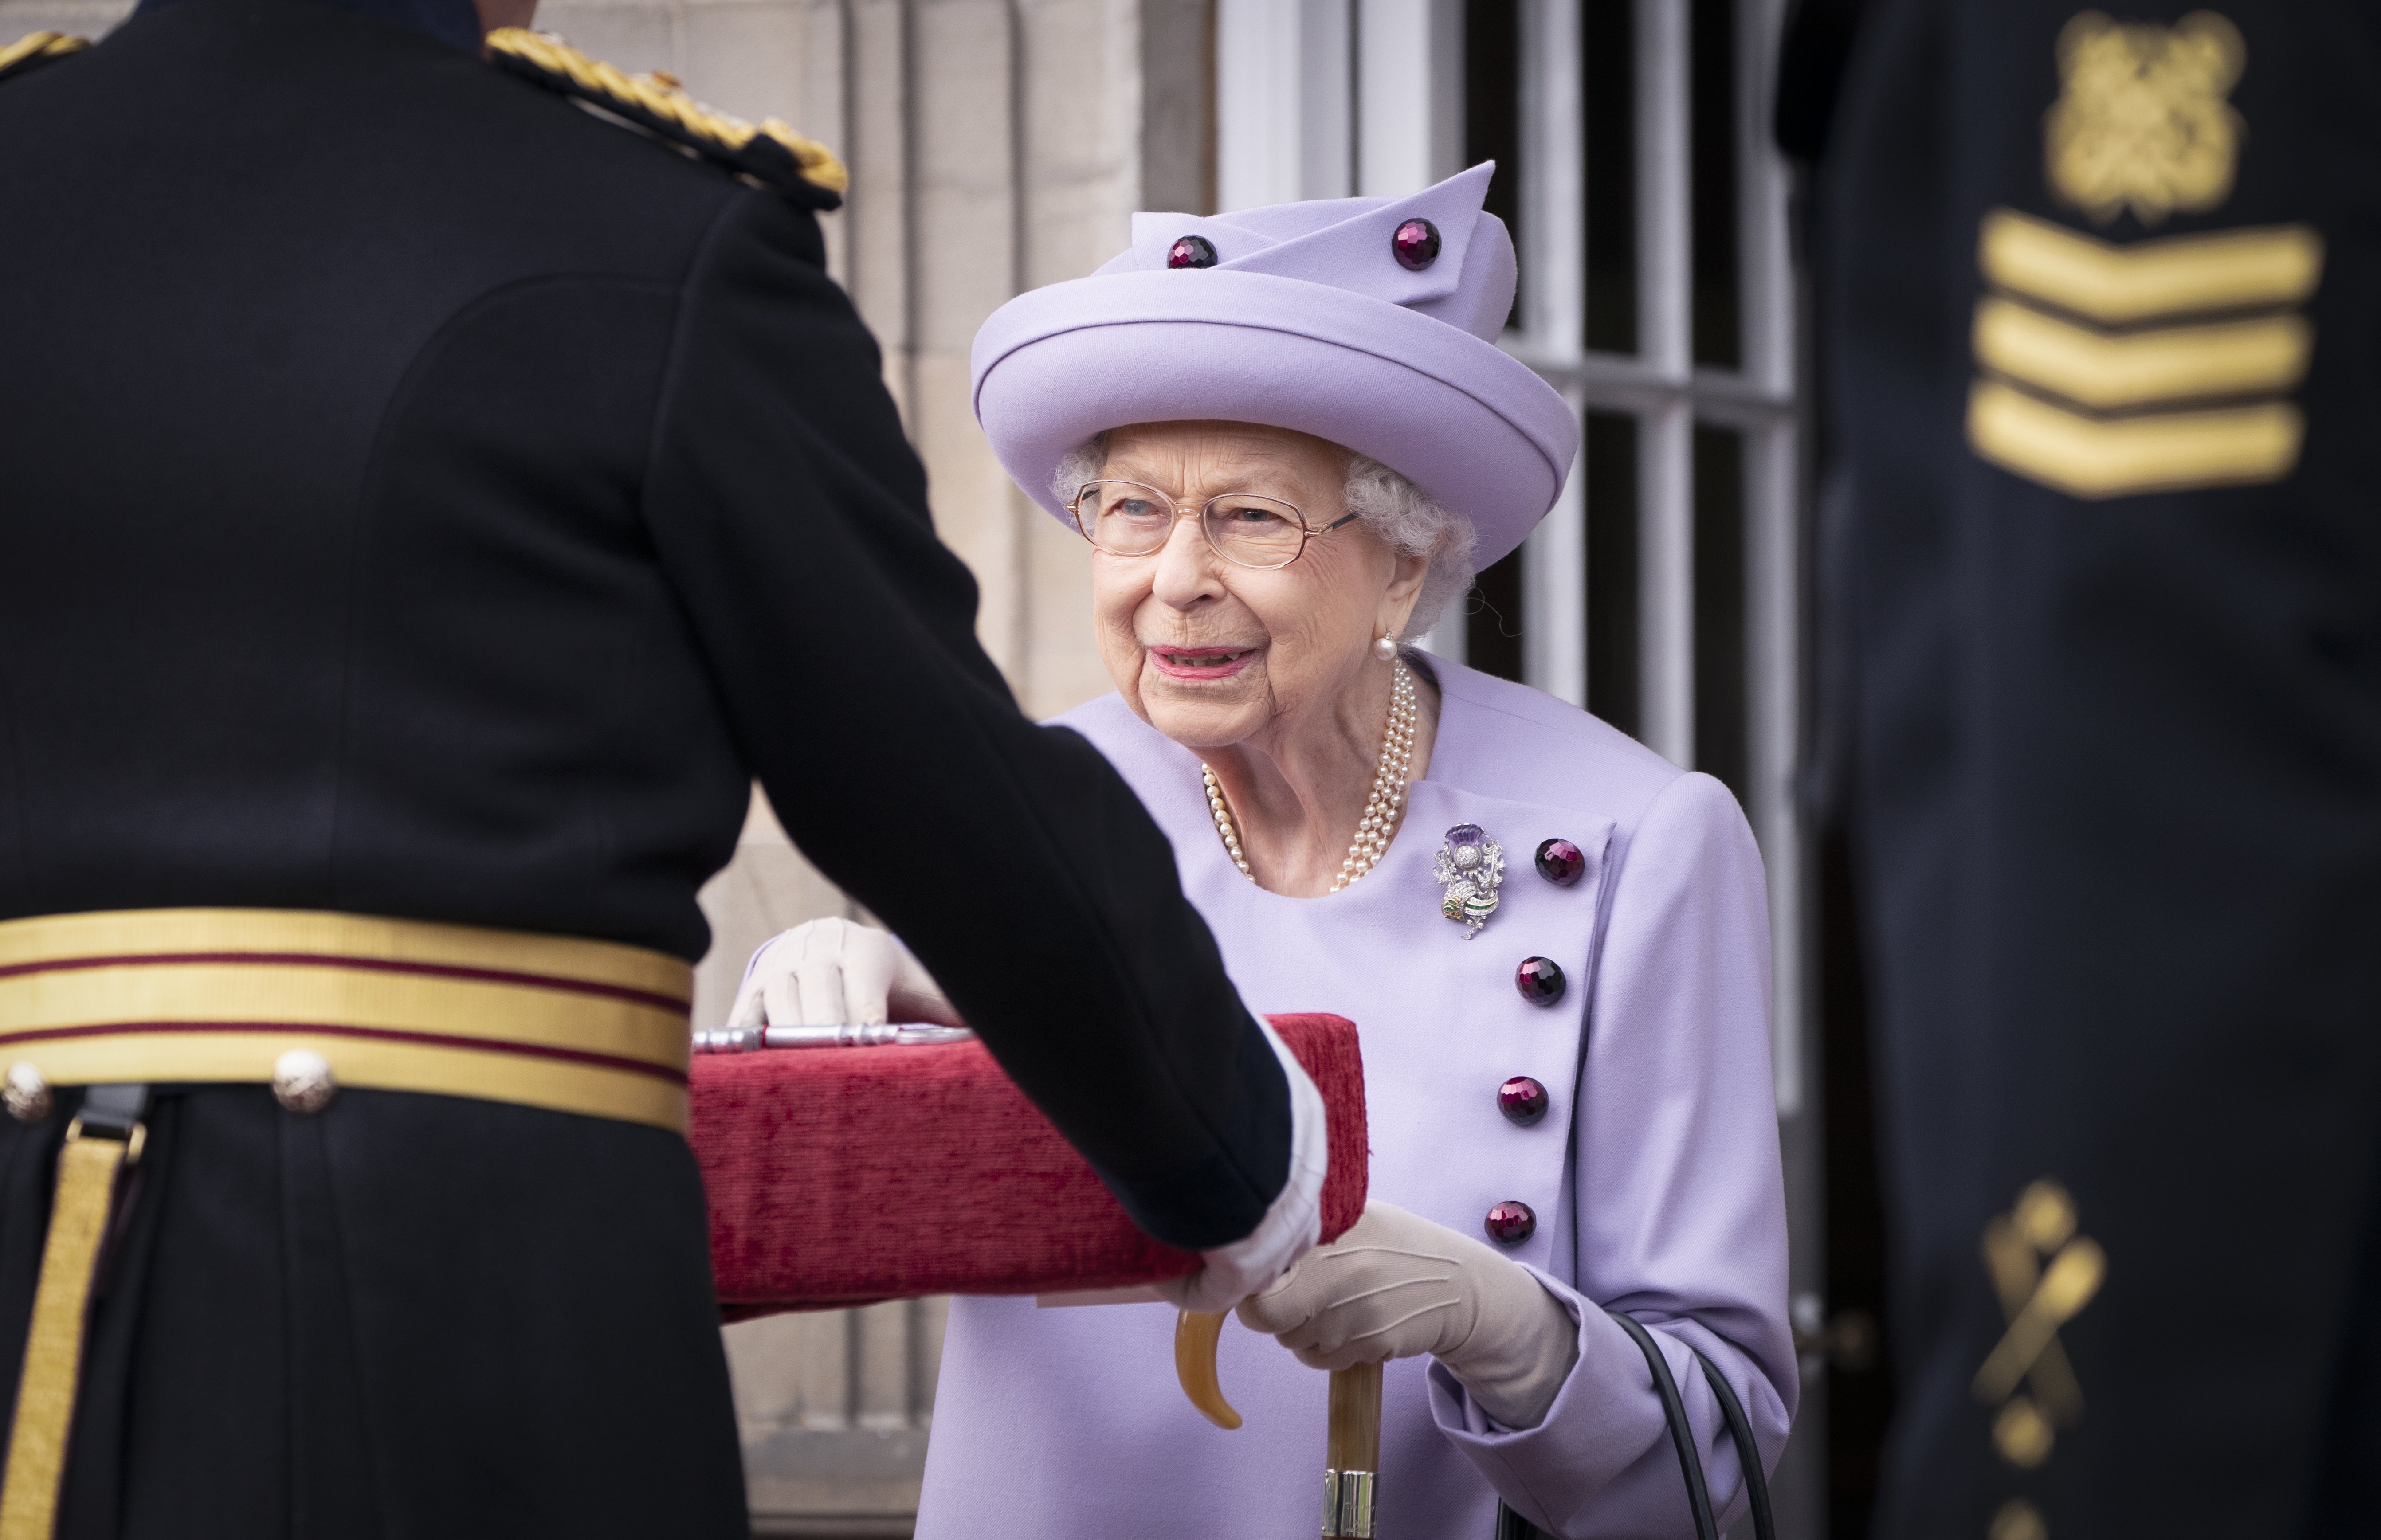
(28, 54)
(2189, 336)
(2247, 269)
(768, 153)
(2096, 458)
(2109, 371)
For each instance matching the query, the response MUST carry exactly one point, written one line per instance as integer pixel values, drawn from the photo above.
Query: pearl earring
(1385, 649)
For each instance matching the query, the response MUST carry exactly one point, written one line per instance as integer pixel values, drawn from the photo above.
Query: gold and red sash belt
(132, 997)
(167, 996)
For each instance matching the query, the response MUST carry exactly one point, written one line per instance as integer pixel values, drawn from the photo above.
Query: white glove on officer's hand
(1397, 1284)
(829, 972)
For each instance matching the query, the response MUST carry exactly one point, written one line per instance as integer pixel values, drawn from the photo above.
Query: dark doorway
(1860, 1387)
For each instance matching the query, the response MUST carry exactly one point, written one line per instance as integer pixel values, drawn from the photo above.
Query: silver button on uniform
(302, 1081)
(27, 1093)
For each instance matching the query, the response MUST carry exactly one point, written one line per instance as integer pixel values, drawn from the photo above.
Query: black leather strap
(1682, 1433)
(113, 1110)
(1748, 1453)
(1512, 1526)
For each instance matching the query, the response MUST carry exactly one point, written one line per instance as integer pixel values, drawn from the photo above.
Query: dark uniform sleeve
(791, 514)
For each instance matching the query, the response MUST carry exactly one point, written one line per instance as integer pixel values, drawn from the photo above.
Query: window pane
(1719, 606)
(1492, 621)
(1609, 464)
(1711, 80)
(1607, 87)
(1492, 109)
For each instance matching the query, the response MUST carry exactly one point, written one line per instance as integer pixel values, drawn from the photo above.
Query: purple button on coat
(1522, 1100)
(1510, 1223)
(1539, 980)
(1561, 862)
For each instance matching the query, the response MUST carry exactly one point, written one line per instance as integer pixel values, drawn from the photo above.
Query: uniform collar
(453, 22)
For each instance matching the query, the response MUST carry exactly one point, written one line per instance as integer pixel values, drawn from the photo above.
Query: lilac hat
(1364, 320)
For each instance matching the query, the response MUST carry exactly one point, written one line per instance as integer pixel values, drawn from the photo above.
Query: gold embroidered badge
(28, 54)
(769, 153)
(2018, 1520)
(2143, 121)
(2110, 369)
(2044, 1273)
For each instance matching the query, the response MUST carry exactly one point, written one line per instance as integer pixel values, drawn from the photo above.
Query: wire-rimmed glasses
(1127, 519)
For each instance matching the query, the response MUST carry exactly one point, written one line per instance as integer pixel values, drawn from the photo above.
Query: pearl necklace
(1381, 812)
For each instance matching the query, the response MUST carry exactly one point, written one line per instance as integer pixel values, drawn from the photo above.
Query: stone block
(975, 505)
(1064, 669)
(964, 249)
(876, 216)
(91, 19)
(748, 59)
(766, 888)
(635, 37)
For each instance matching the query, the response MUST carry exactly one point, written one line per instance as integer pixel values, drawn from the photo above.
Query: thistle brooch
(1471, 866)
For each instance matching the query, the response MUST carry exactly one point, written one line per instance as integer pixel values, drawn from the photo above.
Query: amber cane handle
(1352, 1452)
(1196, 1334)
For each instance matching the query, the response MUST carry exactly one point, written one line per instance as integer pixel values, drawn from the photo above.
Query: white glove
(1397, 1284)
(827, 972)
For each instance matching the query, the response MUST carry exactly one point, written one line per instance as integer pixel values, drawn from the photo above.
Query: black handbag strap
(1748, 1453)
(1512, 1526)
(1682, 1434)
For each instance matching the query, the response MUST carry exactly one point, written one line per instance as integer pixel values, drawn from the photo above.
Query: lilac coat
(1655, 1177)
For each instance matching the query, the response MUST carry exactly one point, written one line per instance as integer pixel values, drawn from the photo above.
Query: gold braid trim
(53, 1361)
(28, 54)
(660, 104)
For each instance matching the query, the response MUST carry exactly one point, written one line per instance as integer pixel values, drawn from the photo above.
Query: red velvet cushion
(837, 1176)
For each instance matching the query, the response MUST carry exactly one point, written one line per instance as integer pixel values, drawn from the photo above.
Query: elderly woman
(1289, 441)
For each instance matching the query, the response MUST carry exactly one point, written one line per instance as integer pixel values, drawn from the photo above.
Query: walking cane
(1353, 1452)
(1351, 1447)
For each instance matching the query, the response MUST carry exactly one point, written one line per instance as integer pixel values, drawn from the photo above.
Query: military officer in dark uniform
(2101, 295)
(428, 505)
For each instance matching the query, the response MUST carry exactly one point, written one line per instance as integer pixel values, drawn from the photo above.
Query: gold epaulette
(769, 153)
(28, 54)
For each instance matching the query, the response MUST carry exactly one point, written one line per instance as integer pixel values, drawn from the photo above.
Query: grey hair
(1408, 520)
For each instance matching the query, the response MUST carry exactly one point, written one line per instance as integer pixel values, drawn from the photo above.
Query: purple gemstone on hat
(1522, 1100)
(1199, 251)
(1510, 1223)
(1560, 863)
(1416, 244)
